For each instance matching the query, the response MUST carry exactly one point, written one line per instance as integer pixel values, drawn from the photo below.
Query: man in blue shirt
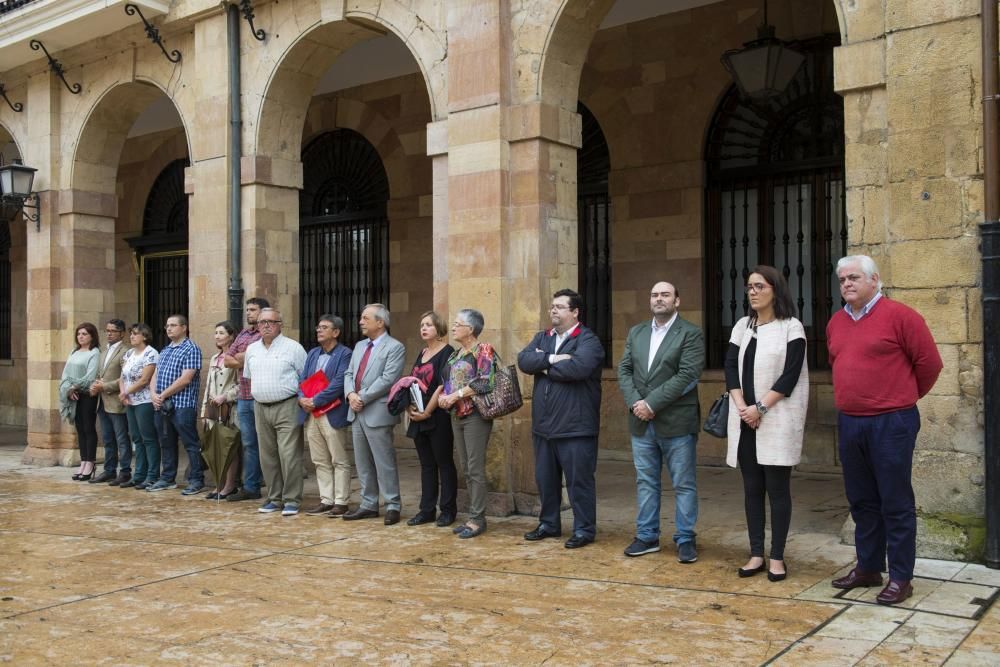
(175, 397)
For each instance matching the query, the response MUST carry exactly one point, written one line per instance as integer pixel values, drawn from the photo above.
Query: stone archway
(13, 323)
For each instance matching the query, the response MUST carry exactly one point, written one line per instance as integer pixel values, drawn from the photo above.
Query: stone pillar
(270, 251)
(914, 198)
(509, 241)
(71, 279)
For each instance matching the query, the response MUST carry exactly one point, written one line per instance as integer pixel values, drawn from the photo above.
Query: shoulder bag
(718, 417)
(506, 395)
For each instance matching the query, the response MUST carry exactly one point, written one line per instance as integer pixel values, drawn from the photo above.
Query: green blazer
(670, 384)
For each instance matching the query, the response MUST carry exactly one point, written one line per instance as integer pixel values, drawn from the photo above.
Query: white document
(416, 397)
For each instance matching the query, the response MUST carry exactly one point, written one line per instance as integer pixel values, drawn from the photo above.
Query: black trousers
(86, 426)
(576, 458)
(436, 451)
(758, 480)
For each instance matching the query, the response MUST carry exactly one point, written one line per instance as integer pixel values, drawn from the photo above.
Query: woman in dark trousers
(431, 428)
(76, 405)
(768, 385)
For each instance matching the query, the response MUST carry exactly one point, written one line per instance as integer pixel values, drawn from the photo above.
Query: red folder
(314, 384)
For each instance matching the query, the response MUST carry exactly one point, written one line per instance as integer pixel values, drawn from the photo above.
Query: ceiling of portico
(387, 57)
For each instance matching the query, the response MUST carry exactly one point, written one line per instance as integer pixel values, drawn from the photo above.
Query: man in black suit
(566, 363)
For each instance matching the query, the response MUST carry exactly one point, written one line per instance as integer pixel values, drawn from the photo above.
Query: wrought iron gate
(343, 232)
(593, 206)
(163, 280)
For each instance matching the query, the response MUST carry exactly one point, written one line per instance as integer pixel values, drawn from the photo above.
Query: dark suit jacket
(566, 400)
(669, 386)
(336, 366)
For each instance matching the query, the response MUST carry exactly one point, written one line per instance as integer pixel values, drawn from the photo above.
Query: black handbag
(718, 417)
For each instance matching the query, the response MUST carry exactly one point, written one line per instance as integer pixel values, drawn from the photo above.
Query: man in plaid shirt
(252, 475)
(175, 399)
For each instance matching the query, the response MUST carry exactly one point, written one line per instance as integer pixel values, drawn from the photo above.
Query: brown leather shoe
(337, 511)
(857, 579)
(391, 517)
(360, 513)
(322, 508)
(895, 592)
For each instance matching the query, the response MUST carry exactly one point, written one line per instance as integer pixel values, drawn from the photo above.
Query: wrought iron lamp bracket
(153, 33)
(16, 106)
(33, 217)
(56, 67)
(246, 6)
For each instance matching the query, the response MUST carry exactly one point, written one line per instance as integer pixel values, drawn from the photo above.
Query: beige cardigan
(779, 437)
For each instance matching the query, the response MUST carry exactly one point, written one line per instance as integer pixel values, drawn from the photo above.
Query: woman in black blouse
(768, 385)
(431, 428)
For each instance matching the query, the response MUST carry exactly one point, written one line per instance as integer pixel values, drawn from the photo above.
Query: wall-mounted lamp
(16, 181)
(764, 67)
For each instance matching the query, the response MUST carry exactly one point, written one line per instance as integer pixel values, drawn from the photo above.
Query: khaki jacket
(110, 375)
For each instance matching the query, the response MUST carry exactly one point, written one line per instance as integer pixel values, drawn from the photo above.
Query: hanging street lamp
(764, 67)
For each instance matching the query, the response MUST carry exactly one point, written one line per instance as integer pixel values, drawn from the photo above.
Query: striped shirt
(275, 370)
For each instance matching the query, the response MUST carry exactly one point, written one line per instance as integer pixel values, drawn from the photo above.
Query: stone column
(270, 251)
(912, 89)
(509, 241)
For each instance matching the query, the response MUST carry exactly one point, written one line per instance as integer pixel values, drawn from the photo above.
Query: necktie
(361, 367)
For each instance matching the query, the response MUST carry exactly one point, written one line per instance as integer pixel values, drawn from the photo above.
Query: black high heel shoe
(86, 478)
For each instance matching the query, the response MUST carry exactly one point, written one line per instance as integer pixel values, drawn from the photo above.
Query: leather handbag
(505, 397)
(717, 421)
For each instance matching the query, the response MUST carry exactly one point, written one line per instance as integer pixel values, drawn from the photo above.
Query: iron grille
(343, 234)
(165, 292)
(593, 205)
(776, 196)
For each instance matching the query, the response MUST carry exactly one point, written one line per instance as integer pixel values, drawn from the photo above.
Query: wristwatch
(761, 408)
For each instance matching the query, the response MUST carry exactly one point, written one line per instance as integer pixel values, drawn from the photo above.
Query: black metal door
(164, 291)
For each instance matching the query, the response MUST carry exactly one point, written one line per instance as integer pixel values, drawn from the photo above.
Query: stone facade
(480, 149)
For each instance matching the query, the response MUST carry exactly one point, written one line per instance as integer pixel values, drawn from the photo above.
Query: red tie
(361, 367)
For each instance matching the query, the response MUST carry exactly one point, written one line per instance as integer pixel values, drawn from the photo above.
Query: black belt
(281, 400)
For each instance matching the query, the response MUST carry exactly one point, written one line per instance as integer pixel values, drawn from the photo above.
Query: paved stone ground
(98, 575)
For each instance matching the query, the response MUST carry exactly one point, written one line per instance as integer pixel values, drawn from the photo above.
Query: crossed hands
(750, 416)
(642, 410)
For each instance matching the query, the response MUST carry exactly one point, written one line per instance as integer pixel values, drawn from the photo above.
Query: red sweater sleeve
(923, 353)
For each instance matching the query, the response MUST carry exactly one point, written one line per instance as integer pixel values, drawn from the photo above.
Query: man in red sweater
(884, 359)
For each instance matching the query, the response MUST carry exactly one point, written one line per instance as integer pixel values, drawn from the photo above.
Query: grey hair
(381, 313)
(473, 318)
(868, 266)
(336, 322)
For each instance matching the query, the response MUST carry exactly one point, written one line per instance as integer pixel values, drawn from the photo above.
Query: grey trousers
(375, 460)
(472, 435)
(279, 438)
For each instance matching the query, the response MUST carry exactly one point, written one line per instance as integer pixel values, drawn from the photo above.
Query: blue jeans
(180, 424)
(117, 448)
(142, 428)
(650, 453)
(252, 476)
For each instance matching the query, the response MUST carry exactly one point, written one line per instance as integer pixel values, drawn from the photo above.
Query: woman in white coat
(768, 384)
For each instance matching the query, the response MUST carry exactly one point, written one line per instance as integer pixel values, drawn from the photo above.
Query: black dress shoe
(120, 479)
(391, 517)
(445, 520)
(103, 478)
(420, 519)
(540, 533)
(578, 541)
(360, 513)
(749, 572)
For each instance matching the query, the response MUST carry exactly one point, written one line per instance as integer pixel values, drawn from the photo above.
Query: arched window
(343, 231)
(775, 195)
(162, 251)
(593, 205)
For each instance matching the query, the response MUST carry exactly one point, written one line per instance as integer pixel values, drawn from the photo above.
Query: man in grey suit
(110, 411)
(375, 366)
(657, 375)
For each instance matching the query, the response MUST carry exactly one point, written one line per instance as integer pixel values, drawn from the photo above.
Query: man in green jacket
(658, 374)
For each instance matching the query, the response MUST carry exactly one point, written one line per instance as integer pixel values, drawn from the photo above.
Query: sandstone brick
(918, 216)
(947, 482)
(903, 14)
(957, 259)
(859, 65)
(944, 310)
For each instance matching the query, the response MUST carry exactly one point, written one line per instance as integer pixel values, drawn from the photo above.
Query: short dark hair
(575, 300)
(117, 324)
(259, 301)
(181, 319)
(228, 326)
(439, 324)
(784, 306)
(95, 342)
(336, 322)
(143, 328)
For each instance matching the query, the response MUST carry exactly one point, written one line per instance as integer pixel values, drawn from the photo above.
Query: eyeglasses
(757, 287)
(323, 327)
(267, 323)
(461, 324)
(111, 331)
(559, 306)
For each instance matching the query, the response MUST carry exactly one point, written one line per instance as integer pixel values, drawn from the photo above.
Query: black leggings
(435, 449)
(86, 426)
(759, 479)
